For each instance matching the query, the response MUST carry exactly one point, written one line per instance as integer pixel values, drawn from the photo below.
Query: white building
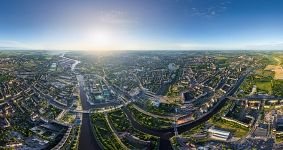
(172, 67)
(219, 134)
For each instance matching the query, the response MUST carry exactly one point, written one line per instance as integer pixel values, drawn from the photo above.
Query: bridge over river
(88, 141)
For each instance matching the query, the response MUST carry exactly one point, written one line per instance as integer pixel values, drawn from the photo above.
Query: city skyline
(141, 25)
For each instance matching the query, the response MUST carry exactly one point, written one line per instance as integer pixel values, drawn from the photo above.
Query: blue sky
(141, 24)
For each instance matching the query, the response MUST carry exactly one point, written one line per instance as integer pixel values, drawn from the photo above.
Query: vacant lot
(277, 70)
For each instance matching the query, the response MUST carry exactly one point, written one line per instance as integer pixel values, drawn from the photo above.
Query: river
(87, 141)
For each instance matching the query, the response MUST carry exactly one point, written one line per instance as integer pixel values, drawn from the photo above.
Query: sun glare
(101, 38)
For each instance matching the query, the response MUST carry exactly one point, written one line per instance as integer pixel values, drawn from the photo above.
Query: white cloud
(117, 17)
(276, 45)
(200, 46)
(16, 45)
(6, 43)
(210, 10)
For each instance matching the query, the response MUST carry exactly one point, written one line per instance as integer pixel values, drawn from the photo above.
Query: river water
(87, 141)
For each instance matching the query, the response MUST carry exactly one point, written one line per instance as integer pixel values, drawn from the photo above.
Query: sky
(141, 24)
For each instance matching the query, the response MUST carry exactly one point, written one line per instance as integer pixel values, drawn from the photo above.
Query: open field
(264, 86)
(278, 70)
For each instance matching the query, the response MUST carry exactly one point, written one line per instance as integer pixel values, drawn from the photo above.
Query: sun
(101, 38)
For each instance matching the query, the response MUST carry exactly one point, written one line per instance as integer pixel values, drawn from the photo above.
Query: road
(88, 141)
(166, 134)
(153, 115)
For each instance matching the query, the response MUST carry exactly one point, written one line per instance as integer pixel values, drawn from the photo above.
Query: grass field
(264, 86)
(262, 78)
(237, 130)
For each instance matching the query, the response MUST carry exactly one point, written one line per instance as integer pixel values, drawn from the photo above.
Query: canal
(88, 141)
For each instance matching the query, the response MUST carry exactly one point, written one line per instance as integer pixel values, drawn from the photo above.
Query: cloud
(273, 45)
(117, 17)
(6, 45)
(210, 10)
(277, 45)
(208, 46)
(12, 45)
